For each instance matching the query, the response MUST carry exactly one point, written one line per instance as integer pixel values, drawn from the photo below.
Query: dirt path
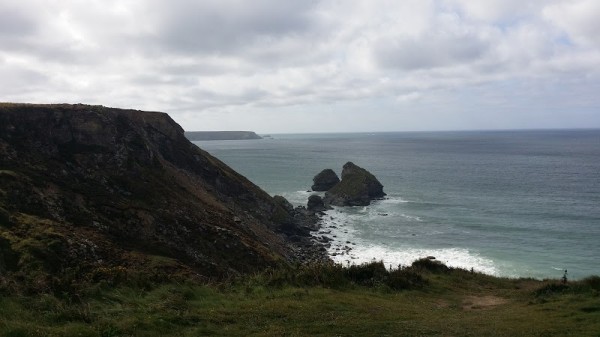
(482, 302)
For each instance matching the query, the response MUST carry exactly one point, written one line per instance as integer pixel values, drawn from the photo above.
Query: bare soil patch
(482, 302)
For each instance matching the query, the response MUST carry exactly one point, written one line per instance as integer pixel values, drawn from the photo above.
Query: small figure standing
(564, 278)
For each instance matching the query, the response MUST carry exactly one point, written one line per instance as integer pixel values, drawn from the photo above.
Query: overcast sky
(312, 66)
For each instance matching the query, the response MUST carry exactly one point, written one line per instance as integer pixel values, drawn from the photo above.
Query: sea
(522, 203)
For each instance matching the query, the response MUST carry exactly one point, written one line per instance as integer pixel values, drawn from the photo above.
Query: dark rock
(283, 202)
(325, 180)
(315, 204)
(357, 188)
(324, 239)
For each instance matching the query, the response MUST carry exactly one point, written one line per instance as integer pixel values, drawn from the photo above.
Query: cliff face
(85, 189)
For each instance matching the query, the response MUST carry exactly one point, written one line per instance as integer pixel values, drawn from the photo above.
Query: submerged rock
(325, 180)
(357, 188)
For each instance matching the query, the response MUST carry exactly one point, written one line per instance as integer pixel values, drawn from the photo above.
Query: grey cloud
(14, 23)
(429, 52)
(16, 82)
(229, 26)
(238, 56)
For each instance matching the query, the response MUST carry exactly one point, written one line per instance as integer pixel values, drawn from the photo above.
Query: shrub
(551, 288)
(322, 274)
(330, 275)
(367, 274)
(403, 279)
(592, 282)
(430, 265)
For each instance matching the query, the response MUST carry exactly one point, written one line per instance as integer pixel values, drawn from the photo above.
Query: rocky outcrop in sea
(356, 188)
(325, 180)
(315, 204)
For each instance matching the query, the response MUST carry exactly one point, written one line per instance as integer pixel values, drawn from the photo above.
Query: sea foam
(348, 247)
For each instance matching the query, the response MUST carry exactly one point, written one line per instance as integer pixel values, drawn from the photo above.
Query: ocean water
(507, 203)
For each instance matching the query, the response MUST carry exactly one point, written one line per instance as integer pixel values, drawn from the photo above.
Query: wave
(299, 198)
(348, 245)
(395, 257)
(394, 200)
(411, 217)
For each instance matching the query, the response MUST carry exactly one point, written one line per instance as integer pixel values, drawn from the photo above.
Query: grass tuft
(424, 299)
(430, 265)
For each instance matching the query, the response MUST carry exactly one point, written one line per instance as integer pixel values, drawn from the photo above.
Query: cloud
(270, 57)
(429, 52)
(578, 19)
(499, 11)
(15, 22)
(226, 27)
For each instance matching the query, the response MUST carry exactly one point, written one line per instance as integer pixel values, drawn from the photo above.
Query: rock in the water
(357, 188)
(325, 180)
(315, 204)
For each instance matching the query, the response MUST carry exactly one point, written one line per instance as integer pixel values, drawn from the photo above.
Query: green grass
(316, 301)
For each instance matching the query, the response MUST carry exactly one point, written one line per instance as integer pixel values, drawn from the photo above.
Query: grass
(317, 301)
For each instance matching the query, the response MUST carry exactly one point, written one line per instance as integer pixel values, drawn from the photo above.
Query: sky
(275, 66)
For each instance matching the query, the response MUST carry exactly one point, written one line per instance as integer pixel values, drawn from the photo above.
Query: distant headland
(221, 135)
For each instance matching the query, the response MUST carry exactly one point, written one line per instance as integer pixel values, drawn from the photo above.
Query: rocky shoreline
(358, 187)
(96, 192)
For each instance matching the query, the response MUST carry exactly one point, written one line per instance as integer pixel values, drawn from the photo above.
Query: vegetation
(425, 299)
(113, 224)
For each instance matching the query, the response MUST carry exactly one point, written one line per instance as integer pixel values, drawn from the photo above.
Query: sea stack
(357, 188)
(325, 180)
(315, 204)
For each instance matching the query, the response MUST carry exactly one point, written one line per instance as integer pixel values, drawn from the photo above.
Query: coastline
(337, 236)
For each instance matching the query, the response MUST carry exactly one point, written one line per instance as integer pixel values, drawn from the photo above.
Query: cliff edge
(95, 191)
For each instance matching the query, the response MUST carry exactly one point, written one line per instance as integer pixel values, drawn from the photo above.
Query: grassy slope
(454, 303)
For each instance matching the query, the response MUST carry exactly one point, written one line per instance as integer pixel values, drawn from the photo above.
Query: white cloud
(245, 61)
(578, 19)
(494, 11)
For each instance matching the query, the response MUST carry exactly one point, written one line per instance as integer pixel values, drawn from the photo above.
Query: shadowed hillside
(95, 192)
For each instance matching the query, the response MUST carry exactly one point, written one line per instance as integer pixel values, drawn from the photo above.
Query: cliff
(96, 192)
(221, 135)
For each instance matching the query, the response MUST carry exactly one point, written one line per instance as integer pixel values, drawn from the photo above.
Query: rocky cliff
(94, 192)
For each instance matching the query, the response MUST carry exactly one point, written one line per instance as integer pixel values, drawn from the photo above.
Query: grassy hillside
(425, 299)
